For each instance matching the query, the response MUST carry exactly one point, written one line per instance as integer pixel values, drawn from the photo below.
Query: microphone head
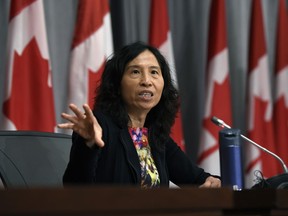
(217, 121)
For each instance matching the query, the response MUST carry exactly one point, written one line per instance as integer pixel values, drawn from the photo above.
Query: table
(107, 200)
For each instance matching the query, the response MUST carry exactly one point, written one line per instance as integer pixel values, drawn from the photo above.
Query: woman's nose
(146, 79)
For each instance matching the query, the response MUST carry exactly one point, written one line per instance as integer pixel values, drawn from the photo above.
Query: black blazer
(118, 163)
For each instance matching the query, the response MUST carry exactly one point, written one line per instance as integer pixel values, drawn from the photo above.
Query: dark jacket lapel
(131, 154)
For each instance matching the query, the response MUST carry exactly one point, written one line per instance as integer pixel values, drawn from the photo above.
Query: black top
(118, 163)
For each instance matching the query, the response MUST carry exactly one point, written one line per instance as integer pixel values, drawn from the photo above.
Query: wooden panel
(134, 201)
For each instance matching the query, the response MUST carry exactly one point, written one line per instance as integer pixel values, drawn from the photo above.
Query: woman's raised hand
(85, 124)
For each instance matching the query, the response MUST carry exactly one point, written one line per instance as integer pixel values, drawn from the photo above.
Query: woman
(125, 140)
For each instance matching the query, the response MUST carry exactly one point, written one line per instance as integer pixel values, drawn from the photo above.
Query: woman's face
(142, 83)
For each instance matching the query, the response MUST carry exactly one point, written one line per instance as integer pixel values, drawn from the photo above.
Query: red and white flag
(92, 44)
(260, 123)
(281, 79)
(160, 37)
(28, 102)
(218, 93)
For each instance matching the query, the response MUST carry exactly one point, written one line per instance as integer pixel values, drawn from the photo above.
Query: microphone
(222, 124)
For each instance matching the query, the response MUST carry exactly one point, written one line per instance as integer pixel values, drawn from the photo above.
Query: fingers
(77, 111)
(65, 126)
(211, 182)
(71, 118)
(85, 124)
(88, 111)
(99, 141)
(207, 184)
(89, 114)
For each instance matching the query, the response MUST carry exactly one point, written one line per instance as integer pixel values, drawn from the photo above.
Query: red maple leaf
(262, 133)
(30, 106)
(281, 127)
(221, 108)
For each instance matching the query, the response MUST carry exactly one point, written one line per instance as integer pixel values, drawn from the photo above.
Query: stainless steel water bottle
(230, 158)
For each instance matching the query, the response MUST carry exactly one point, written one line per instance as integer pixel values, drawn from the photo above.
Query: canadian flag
(28, 102)
(260, 123)
(160, 37)
(218, 98)
(281, 83)
(92, 44)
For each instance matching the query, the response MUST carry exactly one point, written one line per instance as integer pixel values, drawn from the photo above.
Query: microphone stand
(222, 124)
